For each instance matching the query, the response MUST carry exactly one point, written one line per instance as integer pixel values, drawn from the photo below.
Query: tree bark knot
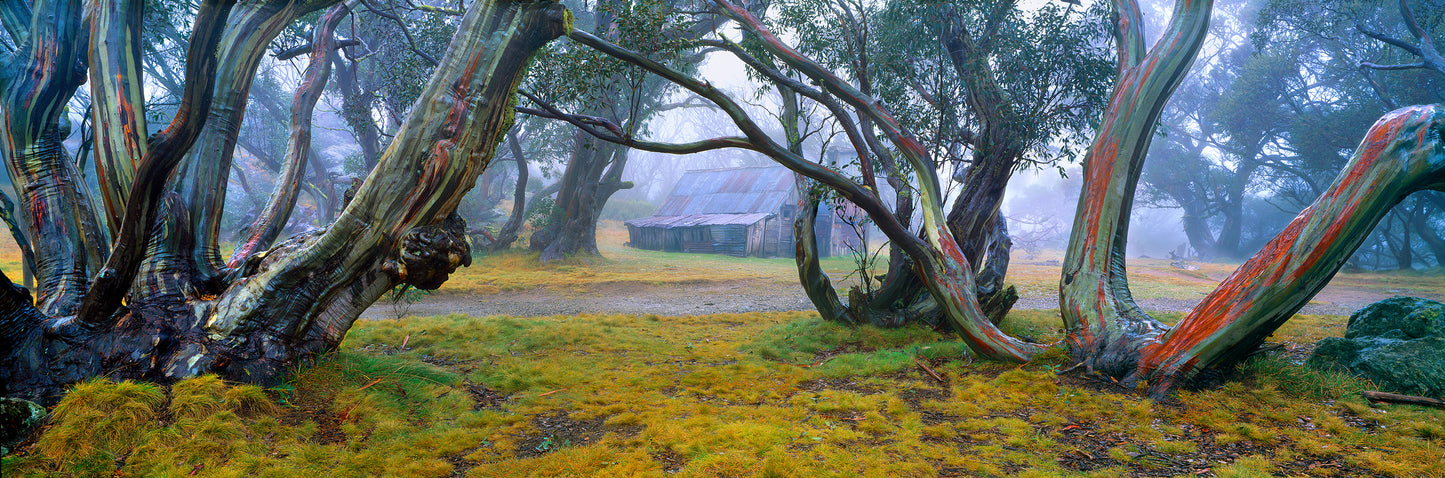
(429, 254)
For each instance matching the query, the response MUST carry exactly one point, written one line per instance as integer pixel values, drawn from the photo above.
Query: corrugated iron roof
(691, 220)
(729, 191)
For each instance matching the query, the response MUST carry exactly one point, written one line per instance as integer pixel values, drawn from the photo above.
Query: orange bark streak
(1275, 269)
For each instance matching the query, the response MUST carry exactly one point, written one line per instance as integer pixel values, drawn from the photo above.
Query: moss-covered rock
(17, 418)
(1399, 343)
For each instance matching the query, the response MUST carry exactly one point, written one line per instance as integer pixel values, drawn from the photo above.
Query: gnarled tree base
(163, 337)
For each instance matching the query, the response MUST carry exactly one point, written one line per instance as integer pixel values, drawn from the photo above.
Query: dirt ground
(760, 295)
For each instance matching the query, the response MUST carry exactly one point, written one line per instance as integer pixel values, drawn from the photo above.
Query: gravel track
(755, 295)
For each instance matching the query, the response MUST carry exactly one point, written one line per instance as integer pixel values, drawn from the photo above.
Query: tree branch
(294, 52)
(508, 233)
(1128, 34)
(1413, 49)
(410, 41)
(1407, 66)
(757, 139)
(615, 132)
(1413, 26)
(272, 220)
(845, 120)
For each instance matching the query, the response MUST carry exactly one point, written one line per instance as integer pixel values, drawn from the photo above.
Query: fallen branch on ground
(930, 371)
(1375, 397)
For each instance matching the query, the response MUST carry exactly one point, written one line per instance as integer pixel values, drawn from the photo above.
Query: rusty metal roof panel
(733, 190)
(715, 196)
(693, 220)
(674, 206)
(739, 219)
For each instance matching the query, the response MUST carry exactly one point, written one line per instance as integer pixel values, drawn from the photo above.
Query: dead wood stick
(929, 370)
(1374, 396)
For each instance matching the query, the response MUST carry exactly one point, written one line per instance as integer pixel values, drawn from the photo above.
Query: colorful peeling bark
(132, 238)
(1108, 334)
(117, 101)
(1105, 327)
(36, 82)
(1401, 154)
(201, 177)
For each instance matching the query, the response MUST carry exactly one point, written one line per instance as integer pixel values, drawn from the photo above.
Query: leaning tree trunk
(1401, 154)
(274, 217)
(281, 308)
(1108, 333)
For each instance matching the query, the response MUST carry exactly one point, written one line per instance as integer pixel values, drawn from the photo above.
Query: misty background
(1274, 105)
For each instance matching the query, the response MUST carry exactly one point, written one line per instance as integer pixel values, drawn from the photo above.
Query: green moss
(732, 394)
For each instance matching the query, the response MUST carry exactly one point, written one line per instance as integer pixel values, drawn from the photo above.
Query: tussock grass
(720, 395)
(1301, 381)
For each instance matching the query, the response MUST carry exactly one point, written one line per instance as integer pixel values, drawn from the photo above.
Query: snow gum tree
(136, 289)
(1108, 334)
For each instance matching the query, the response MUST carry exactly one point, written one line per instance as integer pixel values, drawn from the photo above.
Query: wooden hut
(734, 211)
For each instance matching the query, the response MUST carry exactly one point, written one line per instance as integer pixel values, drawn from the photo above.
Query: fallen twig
(1070, 369)
(930, 371)
(551, 392)
(1374, 397)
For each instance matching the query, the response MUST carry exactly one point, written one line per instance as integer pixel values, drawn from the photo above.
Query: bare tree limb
(1403, 45)
(1406, 66)
(615, 134)
(294, 52)
(273, 218)
(411, 42)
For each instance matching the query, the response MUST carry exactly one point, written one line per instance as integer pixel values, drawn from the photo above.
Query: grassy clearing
(517, 269)
(720, 395)
(1035, 276)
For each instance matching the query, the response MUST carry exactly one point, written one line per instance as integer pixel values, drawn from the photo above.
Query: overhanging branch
(614, 132)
